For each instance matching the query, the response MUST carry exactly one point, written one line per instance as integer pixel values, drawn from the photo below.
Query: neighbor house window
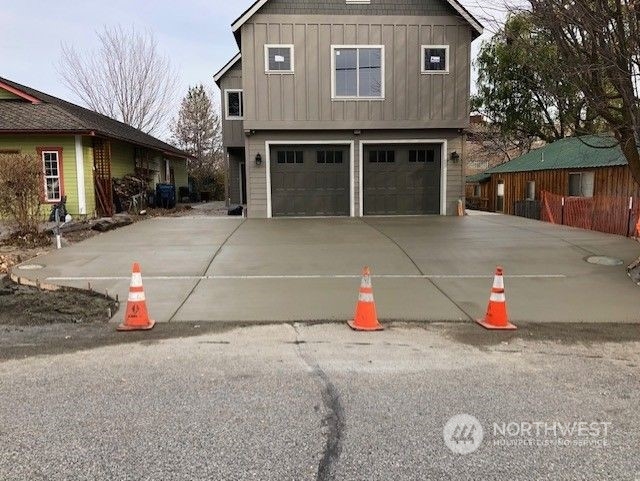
(278, 58)
(581, 184)
(52, 168)
(358, 72)
(435, 59)
(531, 190)
(234, 104)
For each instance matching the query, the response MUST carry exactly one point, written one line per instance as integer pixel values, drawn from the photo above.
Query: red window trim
(40, 151)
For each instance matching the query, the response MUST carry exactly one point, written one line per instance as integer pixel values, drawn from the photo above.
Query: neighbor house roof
(253, 9)
(226, 68)
(481, 177)
(38, 112)
(569, 153)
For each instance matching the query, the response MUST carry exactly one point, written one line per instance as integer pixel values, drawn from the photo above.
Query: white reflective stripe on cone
(496, 297)
(136, 279)
(137, 297)
(365, 297)
(498, 282)
(366, 282)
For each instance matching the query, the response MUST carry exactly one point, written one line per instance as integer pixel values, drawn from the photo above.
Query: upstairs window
(435, 59)
(278, 58)
(234, 109)
(358, 72)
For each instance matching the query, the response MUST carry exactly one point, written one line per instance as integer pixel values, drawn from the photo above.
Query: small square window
(282, 157)
(435, 59)
(299, 157)
(320, 157)
(278, 58)
(373, 156)
(431, 156)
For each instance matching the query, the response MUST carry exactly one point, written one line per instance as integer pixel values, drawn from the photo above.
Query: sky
(194, 34)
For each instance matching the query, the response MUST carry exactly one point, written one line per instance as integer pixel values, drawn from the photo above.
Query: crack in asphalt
(334, 420)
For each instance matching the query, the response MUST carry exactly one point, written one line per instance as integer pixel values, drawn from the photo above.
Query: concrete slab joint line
(417, 267)
(204, 272)
(335, 418)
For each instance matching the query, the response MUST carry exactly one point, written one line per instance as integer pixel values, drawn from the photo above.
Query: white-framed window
(581, 184)
(234, 104)
(357, 72)
(52, 168)
(434, 59)
(279, 59)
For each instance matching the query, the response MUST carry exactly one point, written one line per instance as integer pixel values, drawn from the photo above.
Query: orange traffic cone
(137, 316)
(366, 318)
(496, 317)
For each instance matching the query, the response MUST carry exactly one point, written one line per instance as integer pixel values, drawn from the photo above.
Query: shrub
(21, 188)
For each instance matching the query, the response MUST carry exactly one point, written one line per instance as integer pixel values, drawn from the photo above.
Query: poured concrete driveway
(425, 268)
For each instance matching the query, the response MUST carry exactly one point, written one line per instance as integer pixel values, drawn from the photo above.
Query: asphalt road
(305, 402)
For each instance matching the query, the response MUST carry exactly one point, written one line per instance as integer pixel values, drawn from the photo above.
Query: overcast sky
(195, 34)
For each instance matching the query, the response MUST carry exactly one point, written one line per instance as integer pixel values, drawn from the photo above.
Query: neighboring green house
(81, 150)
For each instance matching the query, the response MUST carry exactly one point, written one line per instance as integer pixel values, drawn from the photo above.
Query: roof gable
(366, 8)
(46, 113)
(570, 153)
(11, 91)
(228, 66)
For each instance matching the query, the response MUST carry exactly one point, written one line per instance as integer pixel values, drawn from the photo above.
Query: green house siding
(122, 159)
(6, 95)
(30, 144)
(180, 173)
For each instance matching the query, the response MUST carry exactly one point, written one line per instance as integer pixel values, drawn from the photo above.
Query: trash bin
(166, 196)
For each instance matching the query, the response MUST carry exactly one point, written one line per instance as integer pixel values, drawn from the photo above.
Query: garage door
(401, 179)
(310, 180)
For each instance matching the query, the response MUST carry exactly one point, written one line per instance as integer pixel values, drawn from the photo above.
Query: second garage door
(310, 180)
(402, 179)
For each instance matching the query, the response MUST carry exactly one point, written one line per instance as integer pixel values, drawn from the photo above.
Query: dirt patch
(19, 342)
(27, 306)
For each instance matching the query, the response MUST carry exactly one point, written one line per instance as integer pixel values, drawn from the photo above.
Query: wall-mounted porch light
(258, 160)
(455, 156)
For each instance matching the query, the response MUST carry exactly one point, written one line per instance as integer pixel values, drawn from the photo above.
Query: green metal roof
(569, 153)
(481, 177)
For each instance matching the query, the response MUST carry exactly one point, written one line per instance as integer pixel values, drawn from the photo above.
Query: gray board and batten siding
(303, 100)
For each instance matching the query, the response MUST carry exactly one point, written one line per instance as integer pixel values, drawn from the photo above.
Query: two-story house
(348, 107)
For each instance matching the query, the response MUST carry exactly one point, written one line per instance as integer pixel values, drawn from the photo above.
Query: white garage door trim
(443, 167)
(350, 143)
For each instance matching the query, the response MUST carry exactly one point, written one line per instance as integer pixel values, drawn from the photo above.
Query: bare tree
(599, 46)
(126, 78)
(197, 130)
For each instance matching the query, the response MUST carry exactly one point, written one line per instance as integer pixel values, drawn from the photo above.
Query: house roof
(478, 178)
(43, 113)
(226, 68)
(253, 9)
(570, 153)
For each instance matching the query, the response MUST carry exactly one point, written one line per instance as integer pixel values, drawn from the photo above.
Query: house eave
(253, 9)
